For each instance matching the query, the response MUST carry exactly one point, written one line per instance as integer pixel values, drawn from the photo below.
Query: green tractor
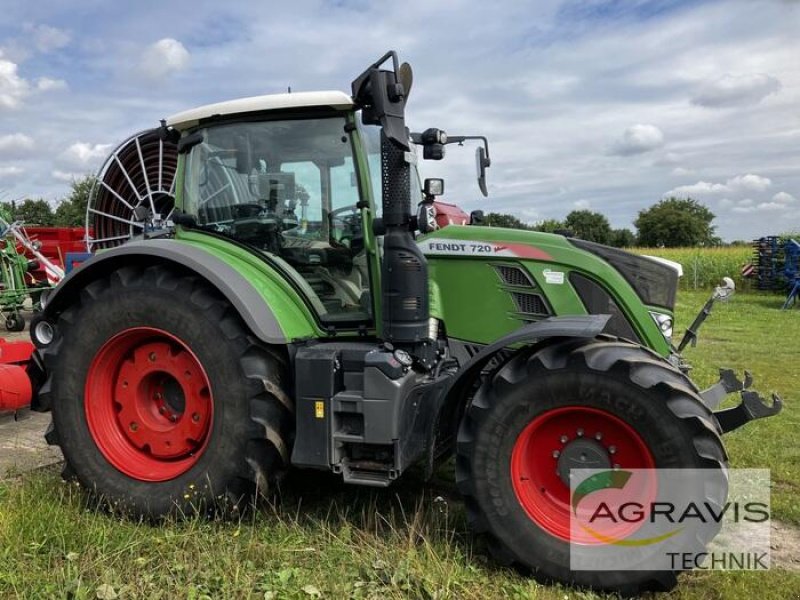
(297, 307)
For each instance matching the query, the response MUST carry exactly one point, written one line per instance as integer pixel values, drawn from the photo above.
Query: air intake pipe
(405, 271)
(381, 95)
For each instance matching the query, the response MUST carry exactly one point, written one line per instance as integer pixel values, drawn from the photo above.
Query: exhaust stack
(381, 94)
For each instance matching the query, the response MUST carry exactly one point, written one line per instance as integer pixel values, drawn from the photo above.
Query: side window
(288, 188)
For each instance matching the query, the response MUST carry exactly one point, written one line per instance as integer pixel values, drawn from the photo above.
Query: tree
(622, 238)
(589, 226)
(675, 222)
(71, 211)
(34, 212)
(549, 226)
(503, 220)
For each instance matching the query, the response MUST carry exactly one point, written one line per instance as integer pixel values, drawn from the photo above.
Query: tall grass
(704, 268)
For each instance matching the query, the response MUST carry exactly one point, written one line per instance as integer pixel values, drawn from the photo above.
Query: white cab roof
(189, 118)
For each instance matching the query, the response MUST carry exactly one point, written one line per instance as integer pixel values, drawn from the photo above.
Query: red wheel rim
(148, 404)
(537, 483)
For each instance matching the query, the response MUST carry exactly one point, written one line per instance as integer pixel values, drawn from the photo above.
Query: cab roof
(191, 117)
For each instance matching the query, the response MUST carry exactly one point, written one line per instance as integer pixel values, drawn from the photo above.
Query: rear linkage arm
(751, 408)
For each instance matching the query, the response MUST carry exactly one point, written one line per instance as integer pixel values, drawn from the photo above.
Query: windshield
(287, 187)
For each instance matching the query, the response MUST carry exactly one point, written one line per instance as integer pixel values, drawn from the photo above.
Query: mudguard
(244, 297)
(453, 399)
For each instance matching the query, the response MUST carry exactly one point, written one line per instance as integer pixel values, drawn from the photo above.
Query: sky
(607, 105)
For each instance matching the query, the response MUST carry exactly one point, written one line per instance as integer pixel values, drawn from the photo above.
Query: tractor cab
(289, 175)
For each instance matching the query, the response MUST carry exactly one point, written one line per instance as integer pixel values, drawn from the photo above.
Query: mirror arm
(460, 139)
(416, 138)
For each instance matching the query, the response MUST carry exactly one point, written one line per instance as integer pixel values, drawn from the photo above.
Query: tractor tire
(513, 434)
(163, 402)
(15, 322)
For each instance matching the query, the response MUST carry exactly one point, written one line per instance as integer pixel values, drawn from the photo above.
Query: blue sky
(606, 105)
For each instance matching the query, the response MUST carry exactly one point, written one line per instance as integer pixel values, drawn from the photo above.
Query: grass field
(326, 540)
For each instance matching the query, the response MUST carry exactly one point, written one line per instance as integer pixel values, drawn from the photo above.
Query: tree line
(70, 211)
(671, 222)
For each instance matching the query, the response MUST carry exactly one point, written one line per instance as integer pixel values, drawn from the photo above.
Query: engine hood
(486, 242)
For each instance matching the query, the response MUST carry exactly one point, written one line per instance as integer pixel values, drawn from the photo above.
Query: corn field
(704, 268)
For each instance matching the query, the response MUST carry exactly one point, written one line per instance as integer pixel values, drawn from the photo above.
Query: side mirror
(426, 217)
(476, 217)
(433, 187)
(481, 162)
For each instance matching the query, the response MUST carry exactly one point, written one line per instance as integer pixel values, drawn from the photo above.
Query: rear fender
(259, 298)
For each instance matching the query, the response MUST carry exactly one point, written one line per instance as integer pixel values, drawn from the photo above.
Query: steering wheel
(246, 210)
(351, 223)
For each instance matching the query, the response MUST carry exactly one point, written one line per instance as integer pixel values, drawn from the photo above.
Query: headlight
(664, 323)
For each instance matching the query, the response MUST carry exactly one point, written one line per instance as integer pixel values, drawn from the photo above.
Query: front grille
(514, 276)
(530, 304)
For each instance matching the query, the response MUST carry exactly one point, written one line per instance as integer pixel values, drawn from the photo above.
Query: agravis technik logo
(669, 519)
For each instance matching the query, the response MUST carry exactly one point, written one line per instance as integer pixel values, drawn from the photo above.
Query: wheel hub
(582, 453)
(148, 404)
(565, 438)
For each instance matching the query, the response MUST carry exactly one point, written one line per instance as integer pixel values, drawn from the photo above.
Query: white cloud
(736, 90)
(66, 176)
(735, 185)
(47, 84)
(771, 206)
(701, 188)
(783, 198)
(10, 172)
(638, 139)
(725, 203)
(582, 204)
(163, 58)
(47, 38)
(16, 144)
(13, 88)
(682, 171)
(84, 155)
(750, 182)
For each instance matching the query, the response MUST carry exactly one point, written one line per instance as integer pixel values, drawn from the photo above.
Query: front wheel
(596, 404)
(162, 401)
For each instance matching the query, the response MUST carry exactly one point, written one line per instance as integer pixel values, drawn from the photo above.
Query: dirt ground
(785, 546)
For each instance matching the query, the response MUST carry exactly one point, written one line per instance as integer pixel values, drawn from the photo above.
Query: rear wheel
(170, 405)
(579, 404)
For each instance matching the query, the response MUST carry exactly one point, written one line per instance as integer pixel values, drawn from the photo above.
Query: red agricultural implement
(15, 383)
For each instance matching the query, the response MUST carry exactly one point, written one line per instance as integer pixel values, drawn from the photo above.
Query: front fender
(455, 398)
(260, 295)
